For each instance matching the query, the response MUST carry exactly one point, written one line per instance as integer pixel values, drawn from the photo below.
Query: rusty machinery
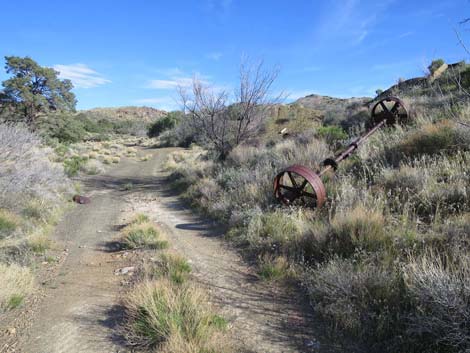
(299, 185)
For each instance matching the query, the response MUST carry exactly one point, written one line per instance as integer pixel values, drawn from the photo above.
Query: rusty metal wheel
(299, 185)
(391, 109)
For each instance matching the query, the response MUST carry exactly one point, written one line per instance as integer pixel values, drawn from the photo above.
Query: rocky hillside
(326, 103)
(143, 114)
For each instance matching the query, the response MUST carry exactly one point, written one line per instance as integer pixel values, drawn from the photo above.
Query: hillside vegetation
(386, 261)
(143, 114)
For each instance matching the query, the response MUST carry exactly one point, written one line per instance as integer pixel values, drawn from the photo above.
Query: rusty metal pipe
(351, 148)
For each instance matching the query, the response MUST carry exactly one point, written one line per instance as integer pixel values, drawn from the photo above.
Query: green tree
(435, 64)
(168, 122)
(33, 90)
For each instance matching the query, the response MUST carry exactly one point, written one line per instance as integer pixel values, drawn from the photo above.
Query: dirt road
(80, 311)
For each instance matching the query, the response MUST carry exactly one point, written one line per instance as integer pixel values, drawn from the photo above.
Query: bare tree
(223, 120)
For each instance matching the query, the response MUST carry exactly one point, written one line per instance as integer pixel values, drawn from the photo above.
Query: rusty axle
(298, 184)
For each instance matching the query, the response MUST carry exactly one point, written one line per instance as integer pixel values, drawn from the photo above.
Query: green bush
(62, 127)
(333, 135)
(168, 122)
(435, 64)
(72, 165)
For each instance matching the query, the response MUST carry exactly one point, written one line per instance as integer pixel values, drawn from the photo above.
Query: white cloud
(176, 78)
(81, 75)
(214, 56)
(170, 84)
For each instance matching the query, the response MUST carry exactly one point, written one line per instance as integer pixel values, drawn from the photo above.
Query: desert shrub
(17, 282)
(281, 233)
(37, 210)
(92, 167)
(439, 289)
(39, 243)
(358, 229)
(182, 134)
(435, 64)
(168, 122)
(9, 222)
(361, 299)
(130, 127)
(273, 268)
(73, 165)
(143, 235)
(27, 171)
(172, 318)
(333, 135)
(442, 137)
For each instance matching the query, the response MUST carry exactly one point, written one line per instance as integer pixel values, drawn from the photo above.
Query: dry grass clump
(17, 282)
(358, 229)
(143, 235)
(9, 222)
(165, 310)
(273, 268)
(172, 266)
(92, 167)
(140, 218)
(173, 318)
(39, 243)
(116, 160)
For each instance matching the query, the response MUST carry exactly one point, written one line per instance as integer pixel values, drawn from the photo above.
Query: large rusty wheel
(299, 185)
(391, 109)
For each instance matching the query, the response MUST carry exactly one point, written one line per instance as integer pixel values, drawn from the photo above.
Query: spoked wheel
(299, 185)
(391, 109)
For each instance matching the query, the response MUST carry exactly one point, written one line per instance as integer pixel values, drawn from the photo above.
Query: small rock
(124, 271)
(11, 331)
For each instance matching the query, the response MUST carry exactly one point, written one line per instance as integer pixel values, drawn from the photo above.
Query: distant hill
(142, 114)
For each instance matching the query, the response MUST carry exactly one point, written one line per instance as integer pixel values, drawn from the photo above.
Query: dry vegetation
(386, 260)
(166, 310)
(31, 197)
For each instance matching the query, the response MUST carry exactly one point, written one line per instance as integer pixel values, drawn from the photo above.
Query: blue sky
(124, 52)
